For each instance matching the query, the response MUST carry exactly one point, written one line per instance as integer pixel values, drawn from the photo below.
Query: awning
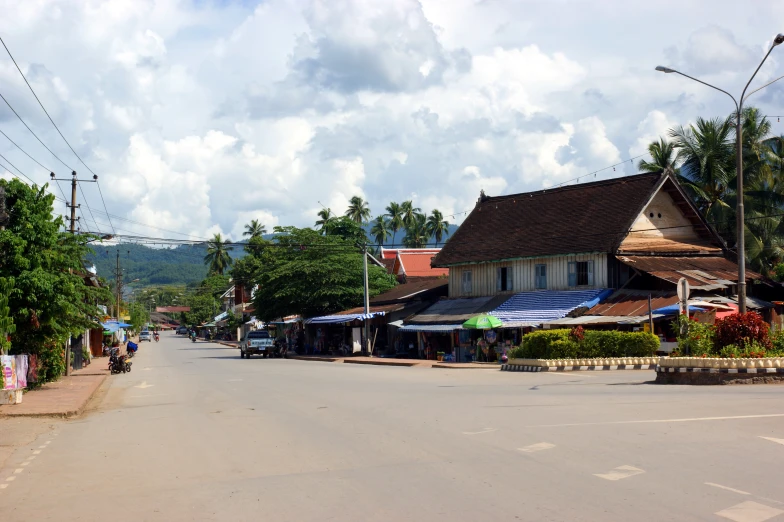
(632, 302)
(345, 318)
(535, 308)
(702, 272)
(457, 311)
(438, 328)
(221, 317)
(676, 308)
(599, 319)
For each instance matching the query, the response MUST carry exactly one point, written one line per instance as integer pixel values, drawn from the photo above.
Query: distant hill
(155, 266)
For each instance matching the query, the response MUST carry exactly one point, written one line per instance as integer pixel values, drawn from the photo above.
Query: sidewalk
(64, 398)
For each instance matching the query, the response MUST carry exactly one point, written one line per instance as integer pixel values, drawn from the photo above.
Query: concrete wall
(524, 277)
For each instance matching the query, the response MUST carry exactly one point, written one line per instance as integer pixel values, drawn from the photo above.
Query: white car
(145, 336)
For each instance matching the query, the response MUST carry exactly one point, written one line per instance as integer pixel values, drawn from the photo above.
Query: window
(467, 286)
(503, 279)
(581, 273)
(541, 277)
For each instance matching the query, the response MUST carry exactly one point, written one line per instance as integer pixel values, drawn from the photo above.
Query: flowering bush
(577, 334)
(698, 340)
(747, 331)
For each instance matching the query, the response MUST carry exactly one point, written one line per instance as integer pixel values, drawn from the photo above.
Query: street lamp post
(741, 232)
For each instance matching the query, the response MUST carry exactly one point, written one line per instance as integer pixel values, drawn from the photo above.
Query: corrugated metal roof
(632, 303)
(601, 319)
(442, 328)
(708, 272)
(531, 308)
(413, 290)
(457, 311)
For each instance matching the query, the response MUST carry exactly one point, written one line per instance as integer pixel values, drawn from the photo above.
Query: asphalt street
(196, 433)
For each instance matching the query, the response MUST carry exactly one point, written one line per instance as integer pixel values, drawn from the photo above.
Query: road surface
(196, 433)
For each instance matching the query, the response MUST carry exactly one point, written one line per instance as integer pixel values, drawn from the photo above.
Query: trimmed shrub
(561, 344)
(743, 330)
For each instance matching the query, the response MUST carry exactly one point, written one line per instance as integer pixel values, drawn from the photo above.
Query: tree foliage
(218, 258)
(50, 300)
(306, 273)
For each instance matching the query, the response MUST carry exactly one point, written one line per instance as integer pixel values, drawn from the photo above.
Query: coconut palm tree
(662, 157)
(326, 217)
(395, 215)
(409, 211)
(254, 229)
(218, 257)
(436, 226)
(707, 167)
(417, 233)
(358, 210)
(380, 230)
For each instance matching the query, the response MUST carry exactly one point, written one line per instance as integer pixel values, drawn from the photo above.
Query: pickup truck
(256, 342)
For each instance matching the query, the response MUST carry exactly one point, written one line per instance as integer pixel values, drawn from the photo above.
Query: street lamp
(738, 164)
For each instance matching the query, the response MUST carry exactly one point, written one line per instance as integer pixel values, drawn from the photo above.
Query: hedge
(561, 344)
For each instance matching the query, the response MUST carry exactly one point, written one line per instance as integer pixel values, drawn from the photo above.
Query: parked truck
(257, 342)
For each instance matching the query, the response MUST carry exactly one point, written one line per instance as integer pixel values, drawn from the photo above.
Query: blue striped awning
(535, 308)
(443, 328)
(346, 318)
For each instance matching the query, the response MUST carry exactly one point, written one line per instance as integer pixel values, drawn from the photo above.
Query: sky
(201, 115)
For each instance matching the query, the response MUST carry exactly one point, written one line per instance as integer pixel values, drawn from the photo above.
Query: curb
(66, 414)
(520, 368)
(379, 363)
(306, 358)
(669, 369)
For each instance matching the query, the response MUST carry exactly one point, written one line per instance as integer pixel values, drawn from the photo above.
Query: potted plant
(440, 356)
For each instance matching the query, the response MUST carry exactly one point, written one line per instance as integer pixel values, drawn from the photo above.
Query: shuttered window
(581, 273)
(467, 284)
(541, 277)
(503, 279)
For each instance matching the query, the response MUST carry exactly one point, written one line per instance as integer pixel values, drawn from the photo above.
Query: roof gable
(591, 217)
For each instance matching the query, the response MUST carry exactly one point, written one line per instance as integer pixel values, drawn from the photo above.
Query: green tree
(395, 215)
(437, 227)
(6, 321)
(326, 217)
(347, 229)
(310, 274)
(409, 212)
(417, 233)
(254, 229)
(380, 230)
(50, 300)
(358, 210)
(662, 157)
(218, 258)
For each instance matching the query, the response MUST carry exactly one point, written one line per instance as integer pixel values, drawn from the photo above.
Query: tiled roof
(591, 217)
(417, 264)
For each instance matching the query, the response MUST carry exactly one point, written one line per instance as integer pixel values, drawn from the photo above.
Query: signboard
(8, 367)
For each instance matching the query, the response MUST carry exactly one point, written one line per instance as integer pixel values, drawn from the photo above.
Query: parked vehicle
(145, 336)
(118, 363)
(131, 348)
(182, 330)
(257, 342)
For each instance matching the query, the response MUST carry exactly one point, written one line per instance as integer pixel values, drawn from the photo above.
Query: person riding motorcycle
(156, 336)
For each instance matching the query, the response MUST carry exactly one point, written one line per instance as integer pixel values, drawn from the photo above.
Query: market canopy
(535, 308)
(345, 318)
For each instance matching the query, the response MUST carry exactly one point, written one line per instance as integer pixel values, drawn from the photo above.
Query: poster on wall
(491, 336)
(464, 338)
(8, 366)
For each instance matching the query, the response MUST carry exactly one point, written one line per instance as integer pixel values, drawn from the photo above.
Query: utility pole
(73, 219)
(367, 301)
(118, 281)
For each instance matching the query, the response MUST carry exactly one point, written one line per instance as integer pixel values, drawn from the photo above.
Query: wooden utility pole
(369, 347)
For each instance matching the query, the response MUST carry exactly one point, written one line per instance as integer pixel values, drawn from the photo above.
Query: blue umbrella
(675, 309)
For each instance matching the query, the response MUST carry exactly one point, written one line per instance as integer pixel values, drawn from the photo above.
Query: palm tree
(380, 230)
(707, 167)
(218, 257)
(395, 215)
(436, 226)
(325, 219)
(417, 233)
(662, 156)
(358, 210)
(254, 229)
(409, 211)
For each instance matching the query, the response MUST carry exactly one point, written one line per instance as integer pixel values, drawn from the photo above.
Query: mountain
(154, 266)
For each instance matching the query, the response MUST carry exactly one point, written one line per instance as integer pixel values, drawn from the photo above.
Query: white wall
(671, 225)
(523, 275)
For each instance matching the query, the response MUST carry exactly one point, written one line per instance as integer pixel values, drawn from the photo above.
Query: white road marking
(18, 471)
(144, 385)
(31, 457)
(24, 463)
(37, 452)
(148, 395)
(486, 430)
(3, 486)
(10, 479)
(536, 447)
(621, 472)
(655, 421)
(778, 441)
(43, 446)
(48, 442)
(749, 512)
(727, 488)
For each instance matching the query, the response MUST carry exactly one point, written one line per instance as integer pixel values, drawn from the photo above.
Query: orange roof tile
(417, 265)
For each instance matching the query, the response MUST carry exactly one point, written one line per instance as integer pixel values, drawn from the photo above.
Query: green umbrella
(483, 322)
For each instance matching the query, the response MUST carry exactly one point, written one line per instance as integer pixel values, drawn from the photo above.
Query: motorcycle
(193, 338)
(156, 337)
(131, 348)
(118, 363)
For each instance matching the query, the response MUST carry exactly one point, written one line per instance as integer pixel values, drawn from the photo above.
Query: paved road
(196, 433)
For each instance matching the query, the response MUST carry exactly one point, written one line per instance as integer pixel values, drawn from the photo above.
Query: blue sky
(201, 115)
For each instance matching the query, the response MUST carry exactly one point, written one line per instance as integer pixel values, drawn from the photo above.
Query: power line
(104, 205)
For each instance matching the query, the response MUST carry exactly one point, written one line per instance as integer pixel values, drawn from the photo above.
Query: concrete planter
(11, 396)
(719, 363)
(560, 365)
(696, 370)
